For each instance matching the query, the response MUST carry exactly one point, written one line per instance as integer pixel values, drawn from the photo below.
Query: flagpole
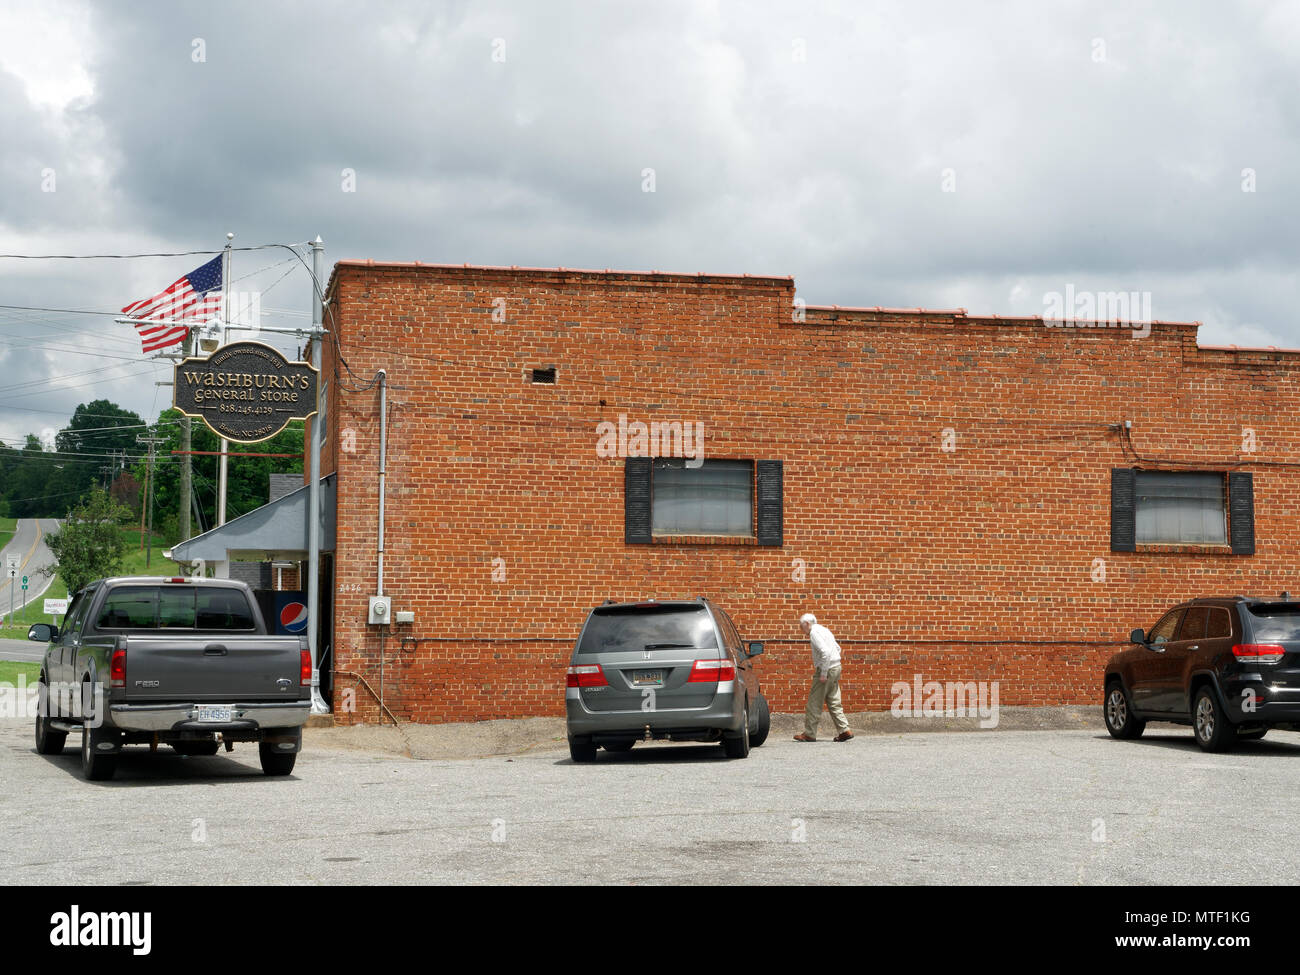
(225, 322)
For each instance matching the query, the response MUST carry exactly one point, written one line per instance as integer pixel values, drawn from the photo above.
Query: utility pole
(153, 443)
(318, 705)
(225, 334)
(186, 459)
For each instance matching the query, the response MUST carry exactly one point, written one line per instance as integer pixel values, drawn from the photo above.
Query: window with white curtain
(1177, 507)
(716, 498)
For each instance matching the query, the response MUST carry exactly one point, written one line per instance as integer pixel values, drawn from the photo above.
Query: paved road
(22, 650)
(28, 544)
(1000, 807)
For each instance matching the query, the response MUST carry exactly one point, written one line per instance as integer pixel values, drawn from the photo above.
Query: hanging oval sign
(246, 392)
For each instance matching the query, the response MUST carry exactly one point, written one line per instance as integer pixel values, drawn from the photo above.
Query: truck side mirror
(43, 632)
(1138, 637)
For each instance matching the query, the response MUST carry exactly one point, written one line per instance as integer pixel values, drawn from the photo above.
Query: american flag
(195, 296)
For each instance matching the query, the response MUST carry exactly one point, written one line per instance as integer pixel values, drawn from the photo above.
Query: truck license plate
(212, 715)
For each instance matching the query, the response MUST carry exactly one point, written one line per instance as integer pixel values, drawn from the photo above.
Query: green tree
(89, 545)
(97, 429)
(248, 477)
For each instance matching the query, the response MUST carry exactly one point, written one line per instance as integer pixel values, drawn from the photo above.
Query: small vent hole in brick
(544, 376)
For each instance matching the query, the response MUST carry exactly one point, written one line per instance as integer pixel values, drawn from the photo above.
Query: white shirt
(825, 651)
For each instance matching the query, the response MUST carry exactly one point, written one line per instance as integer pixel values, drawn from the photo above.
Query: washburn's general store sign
(246, 391)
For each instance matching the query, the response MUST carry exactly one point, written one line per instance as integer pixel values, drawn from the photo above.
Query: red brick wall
(974, 564)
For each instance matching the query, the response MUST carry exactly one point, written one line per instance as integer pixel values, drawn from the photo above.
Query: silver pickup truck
(181, 662)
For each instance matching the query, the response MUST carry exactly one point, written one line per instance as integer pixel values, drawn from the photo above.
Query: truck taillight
(586, 675)
(712, 671)
(1258, 653)
(117, 668)
(305, 671)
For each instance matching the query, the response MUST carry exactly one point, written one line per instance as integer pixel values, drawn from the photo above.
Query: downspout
(382, 376)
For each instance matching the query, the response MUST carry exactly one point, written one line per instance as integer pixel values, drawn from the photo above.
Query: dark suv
(1229, 667)
(675, 671)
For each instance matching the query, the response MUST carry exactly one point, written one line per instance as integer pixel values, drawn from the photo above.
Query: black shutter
(1241, 512)
(636, 500)
(770, 515)
(1123, 509)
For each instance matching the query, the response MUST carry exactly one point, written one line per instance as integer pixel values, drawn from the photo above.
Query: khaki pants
(827, 692)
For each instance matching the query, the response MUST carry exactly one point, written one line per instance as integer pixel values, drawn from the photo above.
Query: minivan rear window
(648, 628)
(1274, 621)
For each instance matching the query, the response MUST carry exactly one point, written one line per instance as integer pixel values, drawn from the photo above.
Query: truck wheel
(738, 747)
(1121, 722)
(1214, 732)
(764, 721)
(48, 741)
(96, 765)
(274, 762)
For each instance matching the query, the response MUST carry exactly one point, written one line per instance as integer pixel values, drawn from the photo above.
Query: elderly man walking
(826, 681)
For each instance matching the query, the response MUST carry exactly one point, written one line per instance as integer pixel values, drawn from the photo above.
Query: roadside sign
(24, 582)
(56, 607)
(11, 564)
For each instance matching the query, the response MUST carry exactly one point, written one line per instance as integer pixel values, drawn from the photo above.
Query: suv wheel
(582, 749)
(1213, 731)
(738, 747)
(763, 719)
(1121, 722)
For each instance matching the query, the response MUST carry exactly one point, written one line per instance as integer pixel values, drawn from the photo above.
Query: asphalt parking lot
(1000, 807)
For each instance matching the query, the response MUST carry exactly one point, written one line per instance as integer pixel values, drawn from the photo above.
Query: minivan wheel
(1214, 732)
(763, 716)
(582, 749)
(738, 747)
(1121, 722)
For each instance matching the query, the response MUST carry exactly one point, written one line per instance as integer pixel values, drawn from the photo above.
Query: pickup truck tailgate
(214, 667)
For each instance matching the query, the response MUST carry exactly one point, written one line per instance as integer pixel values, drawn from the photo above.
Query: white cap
(808, 618)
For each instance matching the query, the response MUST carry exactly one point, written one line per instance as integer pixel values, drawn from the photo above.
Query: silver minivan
(663, 670)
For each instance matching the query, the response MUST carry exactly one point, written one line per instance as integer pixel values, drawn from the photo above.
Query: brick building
(956, 496)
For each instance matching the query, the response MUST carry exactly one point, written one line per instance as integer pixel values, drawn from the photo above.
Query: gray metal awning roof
(272, 531)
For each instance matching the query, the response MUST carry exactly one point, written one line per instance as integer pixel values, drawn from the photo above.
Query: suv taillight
(117, 669)
(712, 671)
(1259, 653)
(585, 675)
(304, 669)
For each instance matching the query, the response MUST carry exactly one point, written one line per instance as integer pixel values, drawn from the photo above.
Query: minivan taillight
(712, 671)
(304, 671)
(1258, 653)
(117, 669)
(585, 675)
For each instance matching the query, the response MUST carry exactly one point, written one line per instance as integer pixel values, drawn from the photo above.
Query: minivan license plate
(212, 715)
(642, 677)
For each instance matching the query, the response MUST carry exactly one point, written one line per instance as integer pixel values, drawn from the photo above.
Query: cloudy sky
(943, 154)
